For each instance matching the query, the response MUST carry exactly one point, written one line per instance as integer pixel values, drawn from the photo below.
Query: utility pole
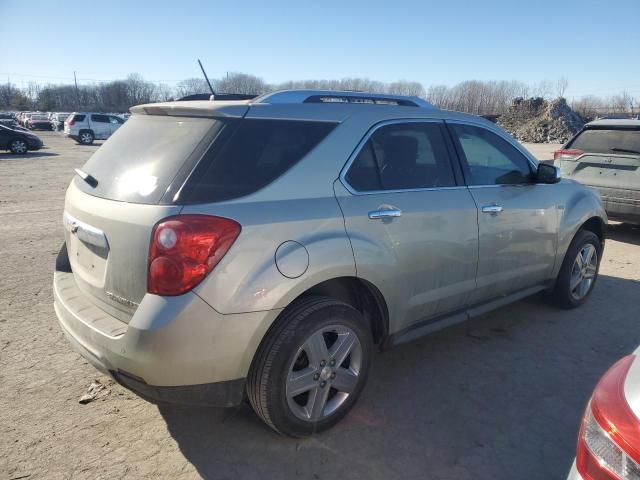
(75, 80)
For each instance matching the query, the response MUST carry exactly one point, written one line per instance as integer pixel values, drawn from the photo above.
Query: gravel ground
(496, 398)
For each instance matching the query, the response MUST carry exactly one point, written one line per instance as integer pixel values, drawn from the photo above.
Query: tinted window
(100, 118)
(402, 156)
(607, 141)
(491, 160)
(78, 118)
(142, 157)
(116, 120)
(254, 154)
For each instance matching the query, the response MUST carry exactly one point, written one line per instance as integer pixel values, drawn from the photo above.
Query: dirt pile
(539, 121)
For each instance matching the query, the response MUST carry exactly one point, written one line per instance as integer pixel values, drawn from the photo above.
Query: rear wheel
(86, 137)
(18, 146)
(311, 367)
(579, 270)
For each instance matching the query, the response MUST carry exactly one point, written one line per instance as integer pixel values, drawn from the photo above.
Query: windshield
(615, 141)
(140, 160)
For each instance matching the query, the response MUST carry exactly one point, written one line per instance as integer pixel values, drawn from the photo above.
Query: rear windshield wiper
(90, 179)
(625, 150)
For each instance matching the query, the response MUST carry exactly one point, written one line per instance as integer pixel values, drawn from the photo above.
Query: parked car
(24, 119)
(57, 120)
(86, 127)
(609, 438)
(264, 246)
(605, 155)
(39, 121)
(18, 141)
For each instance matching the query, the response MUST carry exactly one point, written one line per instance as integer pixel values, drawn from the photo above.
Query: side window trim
(365, 140)
(462, 159)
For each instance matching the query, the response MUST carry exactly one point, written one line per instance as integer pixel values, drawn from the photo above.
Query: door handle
(493, 209)
(385, 213)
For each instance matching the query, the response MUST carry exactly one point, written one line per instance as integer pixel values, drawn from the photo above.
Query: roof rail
(339, 96)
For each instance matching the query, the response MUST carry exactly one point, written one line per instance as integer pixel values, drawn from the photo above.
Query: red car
(609, 439)
(39, 121)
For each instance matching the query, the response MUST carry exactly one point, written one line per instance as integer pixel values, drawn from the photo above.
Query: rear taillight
(185, 248)
(70, 121)
(609, 440)
(567, 154)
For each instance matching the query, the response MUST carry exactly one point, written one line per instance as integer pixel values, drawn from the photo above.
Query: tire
(18, 146)
(577, 278)
(330, 386)
(86, 137)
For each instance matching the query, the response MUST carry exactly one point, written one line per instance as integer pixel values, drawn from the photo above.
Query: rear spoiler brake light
(567, 154)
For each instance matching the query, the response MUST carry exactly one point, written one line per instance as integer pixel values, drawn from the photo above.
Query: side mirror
(547, 173)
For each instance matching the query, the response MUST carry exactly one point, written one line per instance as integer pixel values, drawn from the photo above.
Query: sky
(594, 44)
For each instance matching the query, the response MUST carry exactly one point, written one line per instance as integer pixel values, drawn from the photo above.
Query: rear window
(250, 156)
(140, 160)
(607, 141)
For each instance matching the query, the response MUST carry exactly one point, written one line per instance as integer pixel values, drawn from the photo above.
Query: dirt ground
(497, 398)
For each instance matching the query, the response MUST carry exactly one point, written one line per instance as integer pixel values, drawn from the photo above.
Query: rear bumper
(621, 204)
(175, 349)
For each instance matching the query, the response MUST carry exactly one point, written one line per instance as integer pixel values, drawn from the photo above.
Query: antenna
(206, 78)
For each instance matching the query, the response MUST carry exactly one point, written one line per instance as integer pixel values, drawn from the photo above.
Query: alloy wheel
(324, 372)
(583, 271)
(19, 146)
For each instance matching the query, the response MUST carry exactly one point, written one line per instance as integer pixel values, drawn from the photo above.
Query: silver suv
(86, 127)
(216, 251)
(605, 155)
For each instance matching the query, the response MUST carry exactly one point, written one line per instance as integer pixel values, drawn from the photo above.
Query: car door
(412, 225)
(5, 134)
(100, 125)
(517, 218)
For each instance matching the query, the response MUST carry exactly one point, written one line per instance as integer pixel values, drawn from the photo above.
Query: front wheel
(579, 270)
(18, 146)
(311, 367)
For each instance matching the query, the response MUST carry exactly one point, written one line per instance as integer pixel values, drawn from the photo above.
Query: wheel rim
(583, 272)
(85, 137)
(19, 146)
(323, 373)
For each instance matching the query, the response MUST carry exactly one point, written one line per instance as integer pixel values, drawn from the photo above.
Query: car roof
(614, 122)
(304, 105)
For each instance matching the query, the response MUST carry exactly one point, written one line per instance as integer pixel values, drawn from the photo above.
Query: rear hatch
(123, 190)
(608, 159)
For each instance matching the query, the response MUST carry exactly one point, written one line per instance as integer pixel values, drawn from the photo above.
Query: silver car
(222, 250)
(605, 155)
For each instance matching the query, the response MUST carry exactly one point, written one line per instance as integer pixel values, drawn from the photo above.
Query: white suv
(86, 127)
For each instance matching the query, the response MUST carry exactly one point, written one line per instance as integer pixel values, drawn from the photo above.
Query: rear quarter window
(249, 156)
(79, 118)
(616, 141)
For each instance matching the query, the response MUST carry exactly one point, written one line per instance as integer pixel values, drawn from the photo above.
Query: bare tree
(561, 86)
(191, 86)
(240, 83)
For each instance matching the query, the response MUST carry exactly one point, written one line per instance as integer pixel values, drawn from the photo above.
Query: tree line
(473, 96)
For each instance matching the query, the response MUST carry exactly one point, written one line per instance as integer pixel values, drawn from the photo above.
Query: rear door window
(402, 156)
(250, 156)
(608, 141)
(100, 118)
